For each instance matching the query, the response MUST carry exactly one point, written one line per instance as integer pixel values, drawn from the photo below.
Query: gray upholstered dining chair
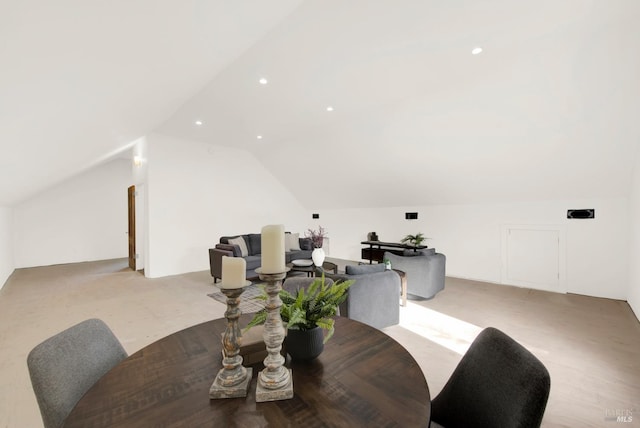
(498, 383)
(65, 366)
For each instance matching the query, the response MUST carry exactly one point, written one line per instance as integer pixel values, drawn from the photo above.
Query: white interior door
(533, 257)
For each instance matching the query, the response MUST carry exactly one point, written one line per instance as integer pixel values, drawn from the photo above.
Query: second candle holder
(275, 382)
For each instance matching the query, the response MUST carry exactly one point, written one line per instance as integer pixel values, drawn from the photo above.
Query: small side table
(403, 286)
(327, 267)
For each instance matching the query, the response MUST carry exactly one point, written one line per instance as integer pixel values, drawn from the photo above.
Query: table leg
(403, 294)
(403, 286)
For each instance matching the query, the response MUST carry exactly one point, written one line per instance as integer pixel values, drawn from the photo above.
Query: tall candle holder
(275, 382)
(233, 379)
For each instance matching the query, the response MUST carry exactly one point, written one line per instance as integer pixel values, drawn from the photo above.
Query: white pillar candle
(234, 272)
(273, 249)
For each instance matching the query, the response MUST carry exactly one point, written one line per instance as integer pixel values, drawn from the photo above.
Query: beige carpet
(590, 346)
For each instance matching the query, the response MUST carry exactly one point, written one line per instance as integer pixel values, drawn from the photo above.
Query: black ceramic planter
(304, 344)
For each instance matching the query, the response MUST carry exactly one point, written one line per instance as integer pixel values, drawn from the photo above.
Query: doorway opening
(136, 203)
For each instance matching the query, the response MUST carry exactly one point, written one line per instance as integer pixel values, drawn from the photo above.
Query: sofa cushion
(253, 262)
(291, 242)
(423, 252)
(363, 269)
(234, 249)
(255, 243)
(239, 241)
(306, 244)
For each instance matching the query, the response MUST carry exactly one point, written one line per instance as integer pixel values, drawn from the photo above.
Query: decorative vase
(317, 255)
(304, 344)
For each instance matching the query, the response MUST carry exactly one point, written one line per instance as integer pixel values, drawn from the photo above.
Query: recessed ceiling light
(476, 51)
(259, 137)
(263, 81)
(198, 122)
(329, 108)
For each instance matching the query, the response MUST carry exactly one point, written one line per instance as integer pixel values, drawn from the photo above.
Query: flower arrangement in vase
(316, 236)
(317, 239)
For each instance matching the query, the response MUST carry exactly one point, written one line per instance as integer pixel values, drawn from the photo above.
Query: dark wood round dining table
(363, 378)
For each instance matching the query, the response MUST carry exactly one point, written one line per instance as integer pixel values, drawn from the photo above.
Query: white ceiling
(547, 111)
(81, 80)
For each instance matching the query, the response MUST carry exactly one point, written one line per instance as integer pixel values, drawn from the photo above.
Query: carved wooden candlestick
(275, 382)
(233, 379)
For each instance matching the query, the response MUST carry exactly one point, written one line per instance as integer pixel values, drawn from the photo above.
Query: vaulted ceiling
(547, 111)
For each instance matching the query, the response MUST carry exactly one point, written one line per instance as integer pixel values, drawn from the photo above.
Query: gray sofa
(374, 297)
(253, 245)
(425, 270)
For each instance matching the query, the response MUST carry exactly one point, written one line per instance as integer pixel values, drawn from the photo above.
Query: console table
(376, 249)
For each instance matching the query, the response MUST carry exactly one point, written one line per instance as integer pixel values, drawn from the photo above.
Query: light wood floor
(590, 346)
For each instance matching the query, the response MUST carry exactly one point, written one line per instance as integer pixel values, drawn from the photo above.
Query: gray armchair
(374, 297)
(425, 270)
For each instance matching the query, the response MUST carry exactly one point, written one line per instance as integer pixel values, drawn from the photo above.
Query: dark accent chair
(65, 366)
(425, 271)
(498, 383)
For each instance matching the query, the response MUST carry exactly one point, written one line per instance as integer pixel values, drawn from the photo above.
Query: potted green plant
(414, 240)
(308, 315)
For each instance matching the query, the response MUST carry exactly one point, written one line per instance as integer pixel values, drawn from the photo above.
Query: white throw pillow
(291, 242)
(239, 241)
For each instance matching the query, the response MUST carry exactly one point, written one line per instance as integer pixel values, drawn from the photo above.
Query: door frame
(131, 231)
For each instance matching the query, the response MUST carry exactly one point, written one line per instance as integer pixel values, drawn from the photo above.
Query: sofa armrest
(215, 261)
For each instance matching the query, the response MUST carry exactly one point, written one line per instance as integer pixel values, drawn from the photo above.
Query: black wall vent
(411, 216)
(587, 213)
(315, 215)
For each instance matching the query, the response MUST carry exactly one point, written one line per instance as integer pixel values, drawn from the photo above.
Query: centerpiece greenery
(414, 240)
(310, 308)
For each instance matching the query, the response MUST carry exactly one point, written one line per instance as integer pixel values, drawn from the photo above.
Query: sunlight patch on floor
(449, 332)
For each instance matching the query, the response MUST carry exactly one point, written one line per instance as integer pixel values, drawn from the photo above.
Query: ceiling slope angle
(80, 81)
(545, 112)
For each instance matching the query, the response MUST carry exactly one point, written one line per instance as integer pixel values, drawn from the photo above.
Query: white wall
(139, 172)
(470, 236)
(82, 219)
(6, 244)
(197, 192)
(634, 244)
